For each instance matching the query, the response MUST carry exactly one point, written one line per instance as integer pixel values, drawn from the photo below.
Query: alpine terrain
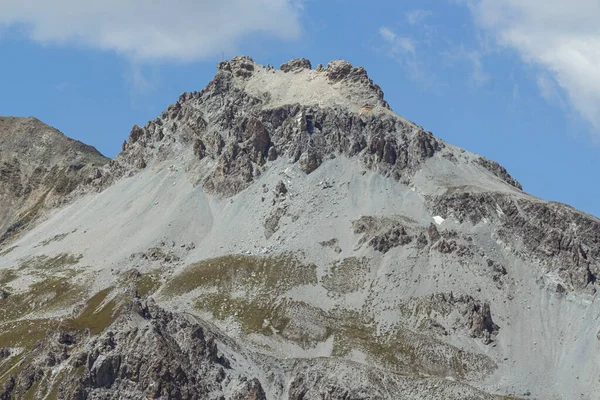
(283, 234)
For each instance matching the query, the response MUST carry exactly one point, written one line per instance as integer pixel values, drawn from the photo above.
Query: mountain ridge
(289, 235)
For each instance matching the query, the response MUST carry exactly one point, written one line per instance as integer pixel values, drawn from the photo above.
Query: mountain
(38, 166)
(283, 234)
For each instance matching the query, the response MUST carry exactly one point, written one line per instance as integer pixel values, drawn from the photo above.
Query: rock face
(238, 131)
(39, 167)
(147, 353)
(552, 234)
(283, 234)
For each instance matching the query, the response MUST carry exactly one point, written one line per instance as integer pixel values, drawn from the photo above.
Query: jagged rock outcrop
(295, 65)
(441, 314)
(382, 234)
(146, 353)
(559, 237)
(499, 171)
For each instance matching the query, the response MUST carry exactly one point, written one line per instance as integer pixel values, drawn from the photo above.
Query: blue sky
(515, 81)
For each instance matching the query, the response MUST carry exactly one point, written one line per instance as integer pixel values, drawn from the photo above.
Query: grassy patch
(148, 284)
(250, 314)
(53, 394)
(7, 276)
(246, 288)
(46, 295)
(96, 316)
(274, 275)
(405, 351)
(9, 367)
(24, 333)
(32, 392)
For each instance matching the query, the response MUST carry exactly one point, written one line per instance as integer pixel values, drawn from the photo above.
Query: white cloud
(182, 30)
(398, 45)
(560, 37)
(402, 49)
(415, 17)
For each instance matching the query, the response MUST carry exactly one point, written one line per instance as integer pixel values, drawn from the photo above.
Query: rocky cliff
(284, 234)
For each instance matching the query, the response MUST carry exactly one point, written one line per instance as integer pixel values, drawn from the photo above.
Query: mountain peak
(339, 83)
(251, 115)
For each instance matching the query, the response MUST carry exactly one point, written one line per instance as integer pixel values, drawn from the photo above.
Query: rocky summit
(283, 234)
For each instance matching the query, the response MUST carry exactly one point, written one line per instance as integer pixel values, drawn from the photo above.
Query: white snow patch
(438, 220)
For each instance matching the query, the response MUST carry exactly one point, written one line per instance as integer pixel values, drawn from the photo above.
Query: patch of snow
(438, 220)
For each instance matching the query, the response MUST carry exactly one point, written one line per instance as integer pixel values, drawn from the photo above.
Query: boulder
(309, 161)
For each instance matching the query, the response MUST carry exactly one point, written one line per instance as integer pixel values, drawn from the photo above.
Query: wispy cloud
(398, 45)
(181, 30)
(415, 17)
(478, 75)
(560, 38)
(549, 89)
(474, 60)
(403, 50)
(139, 81)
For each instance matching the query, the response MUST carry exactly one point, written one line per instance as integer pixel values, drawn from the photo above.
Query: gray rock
(297, 64)
(338, 69)
(280, 189)
(309, 161)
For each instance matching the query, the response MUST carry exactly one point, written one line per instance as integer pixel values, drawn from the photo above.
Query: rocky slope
(39, 167)
(284, 234)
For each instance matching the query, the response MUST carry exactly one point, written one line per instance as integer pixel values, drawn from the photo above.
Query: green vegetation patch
(246, 288)
(274, 275)
(46, 295)
(97, 315)
(148, 284)
(10, 366)
(24, 333)
(7, 276)
(404, 351)
(258, 315)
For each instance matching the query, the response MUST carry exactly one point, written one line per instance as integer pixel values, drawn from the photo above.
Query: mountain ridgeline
(283, 234)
